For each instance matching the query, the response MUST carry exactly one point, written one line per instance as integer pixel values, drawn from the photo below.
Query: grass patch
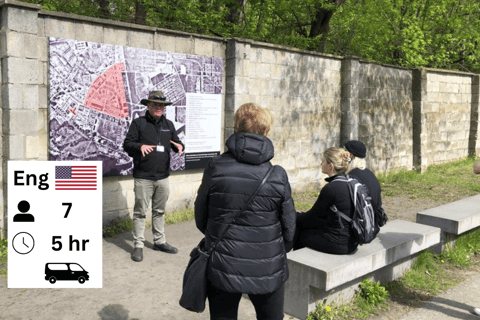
(123, 225)
(3, 257)
(305, 200)
(446, 182)
(370, 299)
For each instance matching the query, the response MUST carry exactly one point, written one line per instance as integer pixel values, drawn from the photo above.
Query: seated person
(320, 228)
(357, 170)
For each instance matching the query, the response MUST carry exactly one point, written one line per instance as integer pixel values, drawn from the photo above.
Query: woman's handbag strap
(245, 206)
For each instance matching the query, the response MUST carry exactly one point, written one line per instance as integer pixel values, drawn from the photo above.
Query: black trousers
(224, 305)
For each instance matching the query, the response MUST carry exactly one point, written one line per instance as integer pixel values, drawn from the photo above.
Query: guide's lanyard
(164, 137)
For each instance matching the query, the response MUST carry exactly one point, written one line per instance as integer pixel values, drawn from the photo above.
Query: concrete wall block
(32, 46)
(42, 48)
(238, 50)
(21, 122)
(235, 67)
(110, 184)
(43, 152)
(263, 70)
(115, 36)
(114, 201)
(184, 45)
(59, 28)
(16, 147)
(40, 27)
(269, 56)
(164, 42)
(20, 19)
(32, 147)
(19, 70)
(30, 97)
(142, 39)
(12, 44)
(218, 49)
(203, 47)
(12, 96)
(42, 97)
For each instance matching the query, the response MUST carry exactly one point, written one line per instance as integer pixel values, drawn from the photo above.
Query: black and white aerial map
(95, 93)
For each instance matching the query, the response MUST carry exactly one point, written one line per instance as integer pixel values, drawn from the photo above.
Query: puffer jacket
(251, 257)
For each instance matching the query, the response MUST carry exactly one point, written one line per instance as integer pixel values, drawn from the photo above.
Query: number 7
(68, 209)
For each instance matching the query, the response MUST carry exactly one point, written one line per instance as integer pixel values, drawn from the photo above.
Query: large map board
(95, 93)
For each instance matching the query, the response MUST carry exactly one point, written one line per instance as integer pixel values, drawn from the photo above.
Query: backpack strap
(340, 214)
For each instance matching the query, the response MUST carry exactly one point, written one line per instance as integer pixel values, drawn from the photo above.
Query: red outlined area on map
(107, 94)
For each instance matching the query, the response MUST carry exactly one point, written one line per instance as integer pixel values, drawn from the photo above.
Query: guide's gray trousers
(156, 193)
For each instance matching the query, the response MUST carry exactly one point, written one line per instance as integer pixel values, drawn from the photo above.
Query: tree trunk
(104, 7)
(140, 13)
(321, 24)
(236, 11)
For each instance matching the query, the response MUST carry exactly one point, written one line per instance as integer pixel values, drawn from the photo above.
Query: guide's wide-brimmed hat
(157, 97)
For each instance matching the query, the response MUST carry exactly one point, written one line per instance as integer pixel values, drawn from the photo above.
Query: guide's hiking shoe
(137, 254)
(165, 247)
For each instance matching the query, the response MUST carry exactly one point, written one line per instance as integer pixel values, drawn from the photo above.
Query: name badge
(160, 148)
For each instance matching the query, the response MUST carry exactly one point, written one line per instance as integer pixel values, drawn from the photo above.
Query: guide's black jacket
(251, 257)
(147, 130)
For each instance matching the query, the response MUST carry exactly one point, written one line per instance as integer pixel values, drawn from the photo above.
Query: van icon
(65, 271)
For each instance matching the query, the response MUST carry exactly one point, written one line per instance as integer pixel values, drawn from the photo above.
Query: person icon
(23, 207)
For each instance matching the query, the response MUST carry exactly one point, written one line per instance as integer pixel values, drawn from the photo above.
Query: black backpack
(363, 225)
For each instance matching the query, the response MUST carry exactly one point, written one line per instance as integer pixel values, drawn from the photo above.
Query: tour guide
(148, 142)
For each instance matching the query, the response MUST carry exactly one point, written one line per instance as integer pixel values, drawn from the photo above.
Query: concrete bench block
(315, 276)
(453, 219)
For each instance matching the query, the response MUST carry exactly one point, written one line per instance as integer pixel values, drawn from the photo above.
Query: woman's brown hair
(251, 118)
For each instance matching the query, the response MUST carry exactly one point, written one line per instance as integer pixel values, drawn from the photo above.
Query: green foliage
(373, 292)
(467, 247)
(117, 226)
(3, 257)
(371, 298)
(333, 311)
(414, 33)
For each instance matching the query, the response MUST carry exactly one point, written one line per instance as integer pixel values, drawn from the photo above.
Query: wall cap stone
(284, 48)
(384, 64)
(462, 73)
(14, 3)
(126, 25)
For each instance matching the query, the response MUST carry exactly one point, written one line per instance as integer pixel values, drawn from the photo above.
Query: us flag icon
(75, 178)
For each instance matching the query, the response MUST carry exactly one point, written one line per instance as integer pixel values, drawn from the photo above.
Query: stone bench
(315, 276)
(453, 219)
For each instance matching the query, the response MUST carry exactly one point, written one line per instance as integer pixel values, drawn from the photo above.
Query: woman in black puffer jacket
(251, 257)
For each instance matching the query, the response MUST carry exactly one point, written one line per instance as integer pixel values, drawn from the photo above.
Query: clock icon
(23, 242)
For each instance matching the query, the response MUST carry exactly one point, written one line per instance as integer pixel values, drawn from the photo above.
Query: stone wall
(303, 92)
(385, 116)
(407, 118)
(446, 117)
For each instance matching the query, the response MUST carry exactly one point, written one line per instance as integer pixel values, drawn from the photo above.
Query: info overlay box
(54, 224)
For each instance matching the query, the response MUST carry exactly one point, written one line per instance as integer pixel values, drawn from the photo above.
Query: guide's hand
(178, 145)
(146, 149)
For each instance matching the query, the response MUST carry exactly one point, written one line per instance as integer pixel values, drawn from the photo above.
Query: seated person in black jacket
(358, 170)
(320, 228)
